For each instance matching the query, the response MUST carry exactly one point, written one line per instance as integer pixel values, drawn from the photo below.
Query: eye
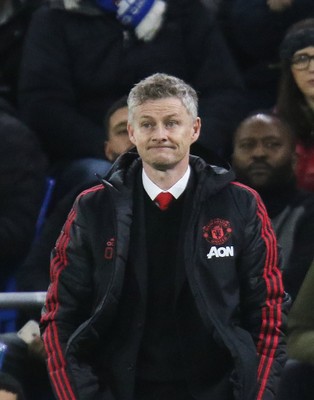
(246, 145)
(146, 125)
(272, 145)
(300, 58)
(121, 132)
(301, 61)
(171, 123)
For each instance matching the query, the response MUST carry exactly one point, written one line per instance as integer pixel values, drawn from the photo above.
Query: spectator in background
(155, 301)
(297, 381)
(15, 16)
(80, 57)
(10, 388)
(22, 186)
(254, 30)
(264, 158)
(115, 122)
(296, 95)
(26, 360)
(33, 275)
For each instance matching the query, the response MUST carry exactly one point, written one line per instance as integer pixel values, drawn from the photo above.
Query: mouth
(259, 169)
(160, 147)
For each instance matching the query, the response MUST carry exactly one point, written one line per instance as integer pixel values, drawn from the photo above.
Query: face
(305, 78)
(4, 395)
(163, 131)
(118, 139)
(264, 153)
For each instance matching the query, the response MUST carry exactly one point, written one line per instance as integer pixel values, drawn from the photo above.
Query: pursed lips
(260, 167)
(160, 147)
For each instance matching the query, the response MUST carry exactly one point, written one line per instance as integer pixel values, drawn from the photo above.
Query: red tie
(163, 200)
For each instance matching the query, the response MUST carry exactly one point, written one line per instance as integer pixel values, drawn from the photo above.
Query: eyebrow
(268, 137)
(302, 53)
(174, 115)
(120, 124)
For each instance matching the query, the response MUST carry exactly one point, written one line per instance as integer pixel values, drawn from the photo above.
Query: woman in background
(296, 95)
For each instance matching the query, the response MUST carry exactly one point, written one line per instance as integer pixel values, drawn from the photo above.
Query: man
(83, 172)
(33, 275)
(117, 138)
(264, 158)
(150, 300)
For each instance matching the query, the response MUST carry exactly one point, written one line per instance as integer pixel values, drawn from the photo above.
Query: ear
(108, 152)
(196, 130)
(232, 158)
(131, 134)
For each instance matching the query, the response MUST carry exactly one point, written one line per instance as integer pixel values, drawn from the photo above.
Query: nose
(160, 133)
(259, 151)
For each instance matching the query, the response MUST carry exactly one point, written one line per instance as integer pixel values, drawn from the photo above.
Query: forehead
(261, 127)
(120, 115)
(308, 50)
(160, 108)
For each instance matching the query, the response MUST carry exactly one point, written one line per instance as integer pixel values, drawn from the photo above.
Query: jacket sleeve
(68, 307)
(301, 322)
(265, 302)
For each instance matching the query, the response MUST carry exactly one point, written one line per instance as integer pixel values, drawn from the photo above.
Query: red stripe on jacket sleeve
(56, 361)
(271, 313)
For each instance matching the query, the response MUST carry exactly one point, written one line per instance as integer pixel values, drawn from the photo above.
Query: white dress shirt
(176, 190)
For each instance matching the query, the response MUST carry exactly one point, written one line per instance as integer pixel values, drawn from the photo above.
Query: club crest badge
(217, 231)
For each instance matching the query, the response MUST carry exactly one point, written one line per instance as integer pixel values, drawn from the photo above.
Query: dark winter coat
(75, 65)
(301, 322)
(229, 257)
(12, 35)
(22, 185)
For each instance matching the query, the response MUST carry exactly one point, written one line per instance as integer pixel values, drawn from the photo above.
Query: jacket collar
(212, 178)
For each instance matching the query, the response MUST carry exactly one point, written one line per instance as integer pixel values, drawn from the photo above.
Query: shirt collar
(176, 190)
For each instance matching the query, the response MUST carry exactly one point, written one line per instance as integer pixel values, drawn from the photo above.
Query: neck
(165, 179)
(277, 198)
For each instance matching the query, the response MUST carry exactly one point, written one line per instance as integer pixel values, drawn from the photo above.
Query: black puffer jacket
(22, 185)
(229, 255)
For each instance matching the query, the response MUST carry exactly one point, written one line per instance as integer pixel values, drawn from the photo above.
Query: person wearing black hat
(296, 95)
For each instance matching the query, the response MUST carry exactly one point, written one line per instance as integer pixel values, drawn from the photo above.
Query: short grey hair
(161, 86)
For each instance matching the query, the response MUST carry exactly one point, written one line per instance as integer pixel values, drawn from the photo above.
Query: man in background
(264, 158)
(34, 273)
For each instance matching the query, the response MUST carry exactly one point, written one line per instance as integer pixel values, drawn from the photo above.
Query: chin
(163, 165)
(259, 185)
